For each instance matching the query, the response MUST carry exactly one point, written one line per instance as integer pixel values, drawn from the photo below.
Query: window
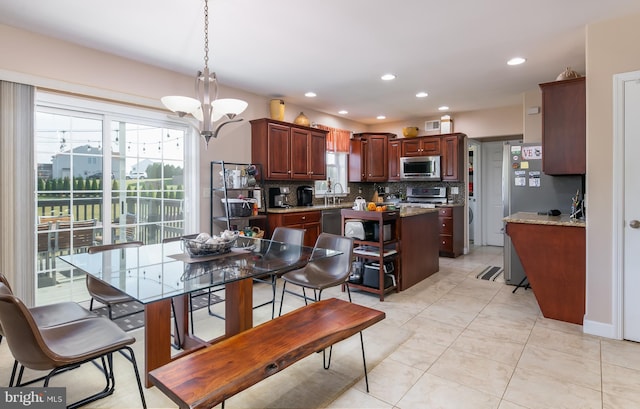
(337, 173)
(105, 173)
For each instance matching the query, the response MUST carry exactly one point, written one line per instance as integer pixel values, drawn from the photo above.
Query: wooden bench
(215, 373)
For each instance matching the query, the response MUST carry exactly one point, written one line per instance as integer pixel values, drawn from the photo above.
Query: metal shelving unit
(224, 185)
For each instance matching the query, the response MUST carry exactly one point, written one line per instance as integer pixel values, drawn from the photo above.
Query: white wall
(504, 121)
(611, 48)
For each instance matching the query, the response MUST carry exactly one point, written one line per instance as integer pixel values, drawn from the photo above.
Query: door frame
(477, 193)
(617, 298)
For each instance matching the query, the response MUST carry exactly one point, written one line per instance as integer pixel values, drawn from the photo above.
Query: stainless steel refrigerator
(525, 188)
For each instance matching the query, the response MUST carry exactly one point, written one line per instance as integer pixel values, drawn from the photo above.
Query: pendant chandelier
(207, 108)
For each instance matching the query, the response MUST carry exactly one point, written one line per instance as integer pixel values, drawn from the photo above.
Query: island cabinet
(554, 259)
(309, 221)
(288, 151)
(420, 244)
(394, 159)
(564, 124)
(369, 157)
(453, 148)
(377, 258)
(421, 146)
(451, 220)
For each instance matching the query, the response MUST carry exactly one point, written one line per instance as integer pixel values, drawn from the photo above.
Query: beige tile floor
(450, 342)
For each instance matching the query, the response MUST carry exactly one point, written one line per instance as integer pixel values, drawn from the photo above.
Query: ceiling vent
(432, 125)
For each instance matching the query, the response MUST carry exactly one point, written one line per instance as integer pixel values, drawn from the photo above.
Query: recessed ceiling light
(343, 112)
(422, 94)
(310, 94)
(381, 117)
(388, 77)
(516, 61)
(443, 108)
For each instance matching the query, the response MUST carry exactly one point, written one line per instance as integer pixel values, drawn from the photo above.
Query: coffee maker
(305, 196)
(279, 197)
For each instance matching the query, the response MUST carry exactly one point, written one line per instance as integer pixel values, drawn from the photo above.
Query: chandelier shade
(206, 108)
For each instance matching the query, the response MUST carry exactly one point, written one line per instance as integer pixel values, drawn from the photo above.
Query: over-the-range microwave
(420, 168)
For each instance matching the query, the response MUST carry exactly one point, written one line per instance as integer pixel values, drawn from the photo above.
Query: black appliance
(278, 197)
(305, 196)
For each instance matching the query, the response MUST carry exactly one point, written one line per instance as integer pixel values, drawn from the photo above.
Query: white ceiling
(456, 50)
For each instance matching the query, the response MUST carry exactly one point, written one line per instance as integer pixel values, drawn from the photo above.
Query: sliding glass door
(102, 177)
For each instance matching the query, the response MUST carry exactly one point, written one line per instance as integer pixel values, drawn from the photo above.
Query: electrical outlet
(386, 189)
(454, 190)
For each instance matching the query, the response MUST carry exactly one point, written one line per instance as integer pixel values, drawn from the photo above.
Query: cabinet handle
(304, 217)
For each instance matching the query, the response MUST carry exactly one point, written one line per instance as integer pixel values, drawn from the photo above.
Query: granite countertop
(295, 209)
(534, 218)
(414, 211)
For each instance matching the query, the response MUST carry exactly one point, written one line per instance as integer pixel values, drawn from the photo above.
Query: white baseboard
(600, 329)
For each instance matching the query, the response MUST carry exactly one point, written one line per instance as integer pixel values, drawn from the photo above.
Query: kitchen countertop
(295, 209)
(534, 218)
(349, 205)
(408, 211)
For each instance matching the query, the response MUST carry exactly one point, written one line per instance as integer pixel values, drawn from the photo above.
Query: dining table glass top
(158, 271)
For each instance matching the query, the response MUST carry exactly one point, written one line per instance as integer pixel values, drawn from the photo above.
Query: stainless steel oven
(420, 168)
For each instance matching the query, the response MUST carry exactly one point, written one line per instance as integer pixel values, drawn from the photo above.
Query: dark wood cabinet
(564, 124)
(308, 159)
(452, 164)
(422, 146)
(368, 157)
(309, 221)
(451, 221)
(420, 248)
(395, 151)
(288, 151)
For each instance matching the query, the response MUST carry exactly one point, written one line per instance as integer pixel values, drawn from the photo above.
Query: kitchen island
(420, 244)
(552, 251)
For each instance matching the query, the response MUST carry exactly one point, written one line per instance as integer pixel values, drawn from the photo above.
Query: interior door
(631, 319)
(492, 194)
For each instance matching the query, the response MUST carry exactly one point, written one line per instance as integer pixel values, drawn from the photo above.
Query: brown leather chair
(63, 347)
(288, 235)
(48, 315)
(102, 292)
(322, 273)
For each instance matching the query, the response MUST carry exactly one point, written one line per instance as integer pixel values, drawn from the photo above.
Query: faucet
(335, 190)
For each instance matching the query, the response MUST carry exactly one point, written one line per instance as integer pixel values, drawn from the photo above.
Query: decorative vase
(301, 120)
(410, 131)
(567, 74)
(276, 107)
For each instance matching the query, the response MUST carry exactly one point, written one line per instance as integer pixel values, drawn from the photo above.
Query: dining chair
(287, 235)
(191, 295)
(63, 347)
(322, 273)
(48, 315)
(102, 292)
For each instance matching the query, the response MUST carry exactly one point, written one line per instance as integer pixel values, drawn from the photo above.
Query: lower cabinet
(310, 221)
(451, 221)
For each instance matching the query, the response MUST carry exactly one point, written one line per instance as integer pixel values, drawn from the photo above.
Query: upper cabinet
(564, 127)
(423, 146)
(454, 151)
(395, 151)
(288, 151)
(369, 157)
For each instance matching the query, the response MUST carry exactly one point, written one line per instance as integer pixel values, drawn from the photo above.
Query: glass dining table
(156, 274)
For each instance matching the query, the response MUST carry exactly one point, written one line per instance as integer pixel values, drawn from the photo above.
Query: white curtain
(17, 205)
